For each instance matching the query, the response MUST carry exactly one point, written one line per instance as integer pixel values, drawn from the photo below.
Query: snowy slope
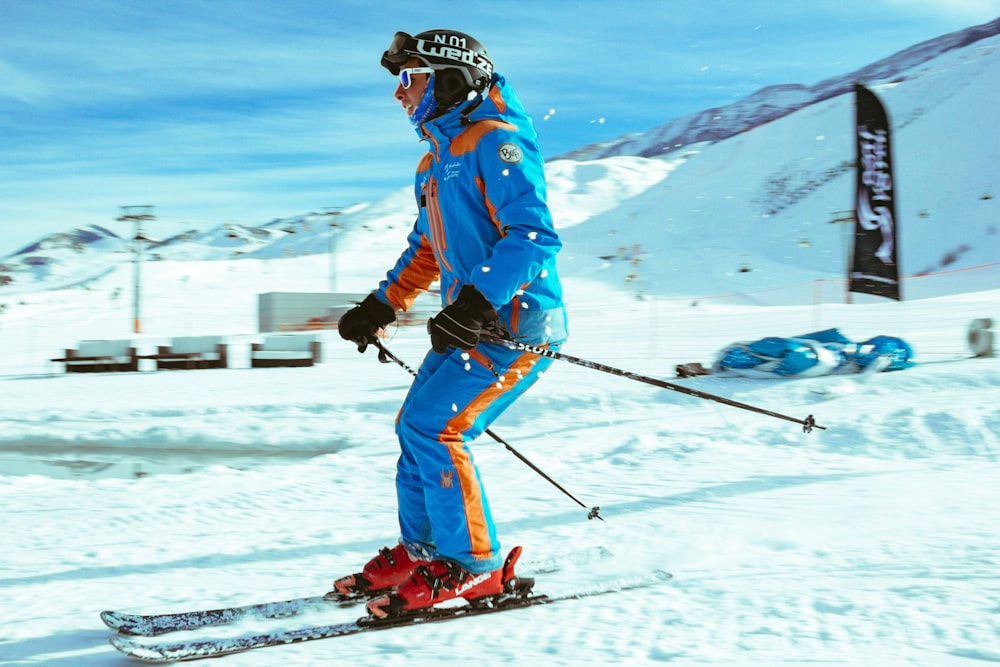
(870, 542)
(745, 214)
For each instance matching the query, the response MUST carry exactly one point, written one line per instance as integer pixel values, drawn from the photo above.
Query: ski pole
(808, 424)
(385, 356)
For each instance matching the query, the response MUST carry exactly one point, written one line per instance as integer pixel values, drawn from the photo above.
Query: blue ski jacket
(483, 218)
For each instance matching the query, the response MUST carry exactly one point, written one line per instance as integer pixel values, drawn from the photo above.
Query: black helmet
(459, 61)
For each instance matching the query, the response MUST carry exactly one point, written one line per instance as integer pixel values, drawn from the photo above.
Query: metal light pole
(334, 232)
(137, 215)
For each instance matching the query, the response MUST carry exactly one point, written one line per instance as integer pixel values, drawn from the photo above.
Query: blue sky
(243, 111)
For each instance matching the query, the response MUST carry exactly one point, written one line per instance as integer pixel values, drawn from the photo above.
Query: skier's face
(410, 97)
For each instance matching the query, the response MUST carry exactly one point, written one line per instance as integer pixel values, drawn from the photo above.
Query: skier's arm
(517, 191)
(415, 271)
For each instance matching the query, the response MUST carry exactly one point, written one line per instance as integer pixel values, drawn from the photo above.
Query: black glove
(463, 322)
(361, 323)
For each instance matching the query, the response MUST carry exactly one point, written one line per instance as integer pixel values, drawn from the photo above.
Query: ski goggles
(406, 75)
(400, 50)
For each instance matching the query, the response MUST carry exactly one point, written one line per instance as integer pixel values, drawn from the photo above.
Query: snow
(870, 541)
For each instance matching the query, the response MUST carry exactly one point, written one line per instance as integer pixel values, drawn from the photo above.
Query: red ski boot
(387, 570)
(439, 581)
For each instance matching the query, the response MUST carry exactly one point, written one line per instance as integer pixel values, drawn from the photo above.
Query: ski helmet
(461, 65)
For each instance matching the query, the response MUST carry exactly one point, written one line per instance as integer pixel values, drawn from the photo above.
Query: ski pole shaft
(808, 424)
(592, 513)
(385, 356)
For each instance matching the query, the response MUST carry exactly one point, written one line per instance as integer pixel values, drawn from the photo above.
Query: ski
(197, 649)
(152, 625)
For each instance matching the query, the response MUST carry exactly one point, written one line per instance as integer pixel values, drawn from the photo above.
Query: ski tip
(137, 651)
(125, 624)
(114, 619)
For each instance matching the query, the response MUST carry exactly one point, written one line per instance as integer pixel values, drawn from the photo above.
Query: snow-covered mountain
(58, 260)
(735, 200)
(773, 102)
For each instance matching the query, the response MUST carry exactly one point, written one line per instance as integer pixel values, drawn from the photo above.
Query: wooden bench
(285, 350)
(190, 352)
(101, 356)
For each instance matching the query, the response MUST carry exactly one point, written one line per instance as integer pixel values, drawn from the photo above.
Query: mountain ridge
(716, 217)
(773, 102)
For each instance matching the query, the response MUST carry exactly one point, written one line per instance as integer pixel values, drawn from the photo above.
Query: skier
(484, 230)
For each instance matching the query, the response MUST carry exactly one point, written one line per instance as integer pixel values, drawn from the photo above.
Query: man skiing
(485, 231)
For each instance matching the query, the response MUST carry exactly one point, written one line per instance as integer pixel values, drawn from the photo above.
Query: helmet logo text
(455, 50)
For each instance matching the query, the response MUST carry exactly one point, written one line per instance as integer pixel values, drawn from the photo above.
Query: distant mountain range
(774, 102)
(763, 195)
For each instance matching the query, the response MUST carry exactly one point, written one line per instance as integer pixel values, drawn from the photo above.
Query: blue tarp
(819, 353)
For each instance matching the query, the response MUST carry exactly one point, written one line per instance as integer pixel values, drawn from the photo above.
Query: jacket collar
(450, 124)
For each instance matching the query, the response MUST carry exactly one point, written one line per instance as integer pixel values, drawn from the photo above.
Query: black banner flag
(875, 267)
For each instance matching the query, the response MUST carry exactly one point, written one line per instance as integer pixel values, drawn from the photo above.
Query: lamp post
(335, 226)
(137, 215)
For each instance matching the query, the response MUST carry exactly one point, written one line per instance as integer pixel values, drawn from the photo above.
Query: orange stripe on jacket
(425, 162)
(497, 98)
(415, 278)
(491, 209)
(439, 238)
(467, 141)
(451, 437)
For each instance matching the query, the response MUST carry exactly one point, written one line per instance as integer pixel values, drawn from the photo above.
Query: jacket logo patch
(451, 170)
(447, 479)
(510, 153)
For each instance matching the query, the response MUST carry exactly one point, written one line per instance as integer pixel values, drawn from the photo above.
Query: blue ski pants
(454, 398)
